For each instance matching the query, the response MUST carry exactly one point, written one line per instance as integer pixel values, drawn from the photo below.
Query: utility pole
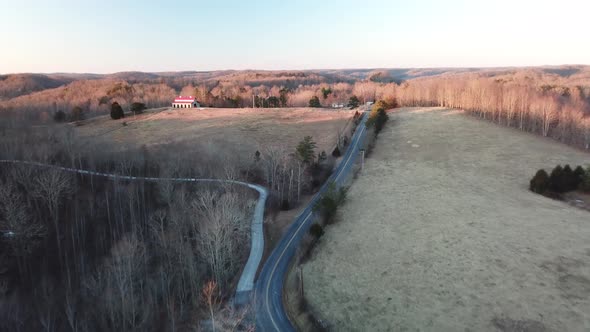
(253, 104)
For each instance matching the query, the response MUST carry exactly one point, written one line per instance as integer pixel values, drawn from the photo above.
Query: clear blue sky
(109, 36)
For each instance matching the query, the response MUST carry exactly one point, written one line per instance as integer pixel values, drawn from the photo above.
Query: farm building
(185, 102)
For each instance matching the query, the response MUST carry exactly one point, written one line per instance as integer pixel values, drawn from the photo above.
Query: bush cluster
(315, 102)
(77, 114)
(561, 180)
(329, 202)
(353, 102)
(138, 108)
(316, 230)
(378, 116)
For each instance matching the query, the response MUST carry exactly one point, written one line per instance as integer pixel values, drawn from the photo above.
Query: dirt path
(441, 234)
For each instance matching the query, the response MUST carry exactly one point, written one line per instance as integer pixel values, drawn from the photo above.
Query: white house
(185, 102)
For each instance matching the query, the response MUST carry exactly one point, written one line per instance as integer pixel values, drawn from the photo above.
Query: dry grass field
(440, 233)
(242, 130)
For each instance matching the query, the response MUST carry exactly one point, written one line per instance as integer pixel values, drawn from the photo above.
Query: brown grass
(440, 233)
(248, 129)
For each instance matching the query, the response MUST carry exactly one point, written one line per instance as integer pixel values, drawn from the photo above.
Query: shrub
(380, 120)
(556, 179)
(328, 204)
(377, 119)
(316, 230)
(77, 114)
(585, 185)
(354, 102)
(336, 152)
(273, 101)
(579, 174)
(138, 108)
(568, 180)
(59, 116)
(381, 104)
(315, 102)
(540, 182)
(117, 111)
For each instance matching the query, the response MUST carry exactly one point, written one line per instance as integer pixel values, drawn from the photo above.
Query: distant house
(185, 102)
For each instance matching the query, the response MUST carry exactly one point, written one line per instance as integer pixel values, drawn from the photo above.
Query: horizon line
(298, 70)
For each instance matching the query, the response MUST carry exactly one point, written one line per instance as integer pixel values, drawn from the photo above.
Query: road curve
(268, 293)
(246, 282)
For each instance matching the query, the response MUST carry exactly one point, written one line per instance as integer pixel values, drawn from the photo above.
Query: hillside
(23, 84)
(37, 96)
(440, 233)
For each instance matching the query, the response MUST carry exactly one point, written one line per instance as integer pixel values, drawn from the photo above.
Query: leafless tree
(211, 299)
(50, 186)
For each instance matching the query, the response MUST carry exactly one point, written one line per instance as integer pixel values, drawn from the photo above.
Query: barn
(185, 102)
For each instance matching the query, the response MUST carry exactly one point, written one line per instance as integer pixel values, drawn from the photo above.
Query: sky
(106, 36)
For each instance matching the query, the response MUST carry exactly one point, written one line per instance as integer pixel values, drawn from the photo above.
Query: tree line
(561, 180)
(521, 99)
(561, 113)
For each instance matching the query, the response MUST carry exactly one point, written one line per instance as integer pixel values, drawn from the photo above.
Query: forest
(550, 101)
(86, 253)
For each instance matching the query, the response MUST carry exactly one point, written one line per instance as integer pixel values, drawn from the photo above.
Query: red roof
(185, 99)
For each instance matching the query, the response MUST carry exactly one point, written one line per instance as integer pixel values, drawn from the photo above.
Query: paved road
(246, 282)
(268, 302)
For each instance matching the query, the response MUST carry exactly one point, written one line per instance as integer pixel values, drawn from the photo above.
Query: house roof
(185, 99)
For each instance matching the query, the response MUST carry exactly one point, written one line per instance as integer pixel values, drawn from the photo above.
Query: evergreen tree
(273, 101)
(306, 150)
(568, 179)
(354, 102)
(117, 111)
(579, 174)
(138, 108)
(585, 185)
(377, 119)
(315, 102)
(540, 182)
(556, 179)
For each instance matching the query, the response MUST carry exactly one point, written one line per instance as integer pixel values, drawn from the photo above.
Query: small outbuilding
(185, 102)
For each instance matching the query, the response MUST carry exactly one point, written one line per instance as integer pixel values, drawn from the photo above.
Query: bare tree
(211, 299)
(51, 186)
(222, 231)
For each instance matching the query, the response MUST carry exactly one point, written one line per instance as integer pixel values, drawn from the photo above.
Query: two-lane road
(268, 302)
